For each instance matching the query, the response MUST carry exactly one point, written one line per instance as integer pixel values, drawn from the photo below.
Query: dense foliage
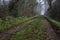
(54, 11)
(18, 8)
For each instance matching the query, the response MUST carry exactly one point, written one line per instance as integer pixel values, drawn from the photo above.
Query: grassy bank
(10, 21)
(34, 31)
(56, 23)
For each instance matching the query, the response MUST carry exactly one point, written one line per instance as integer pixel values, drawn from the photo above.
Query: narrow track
(51, 34)
(7, 33)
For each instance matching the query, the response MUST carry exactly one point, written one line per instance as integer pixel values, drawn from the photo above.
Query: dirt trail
(51, 35)
(6, 34)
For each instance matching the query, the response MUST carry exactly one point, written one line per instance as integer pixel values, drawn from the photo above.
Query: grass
(55, 23)
(34, 31)
(10, 21)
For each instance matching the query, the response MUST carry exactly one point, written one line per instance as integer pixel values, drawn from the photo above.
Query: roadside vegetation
(56, 23)
(9, 21)
(34, 31)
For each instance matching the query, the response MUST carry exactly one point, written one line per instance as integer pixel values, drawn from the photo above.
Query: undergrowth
(10, 21)
(33, 31)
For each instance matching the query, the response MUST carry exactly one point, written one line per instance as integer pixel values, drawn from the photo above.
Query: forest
(29, 19)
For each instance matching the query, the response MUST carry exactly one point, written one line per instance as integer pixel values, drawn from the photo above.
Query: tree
(54, 11)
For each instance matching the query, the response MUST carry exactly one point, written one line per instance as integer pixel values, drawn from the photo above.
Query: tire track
(51, 34)
(6, 34)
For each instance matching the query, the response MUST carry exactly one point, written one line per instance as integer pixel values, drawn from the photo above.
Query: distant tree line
(54, 10)
(18, 8)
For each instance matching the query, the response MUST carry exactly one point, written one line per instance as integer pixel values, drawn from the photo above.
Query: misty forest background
(13, 10)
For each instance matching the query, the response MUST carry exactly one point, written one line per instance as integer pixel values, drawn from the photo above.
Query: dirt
(50, 33)
(7, 33)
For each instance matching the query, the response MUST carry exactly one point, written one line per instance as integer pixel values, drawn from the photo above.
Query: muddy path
(5, 35)
(50, 32)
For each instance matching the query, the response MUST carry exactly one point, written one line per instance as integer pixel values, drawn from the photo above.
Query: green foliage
(55, 23)
(34, 31)
(9, 21)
